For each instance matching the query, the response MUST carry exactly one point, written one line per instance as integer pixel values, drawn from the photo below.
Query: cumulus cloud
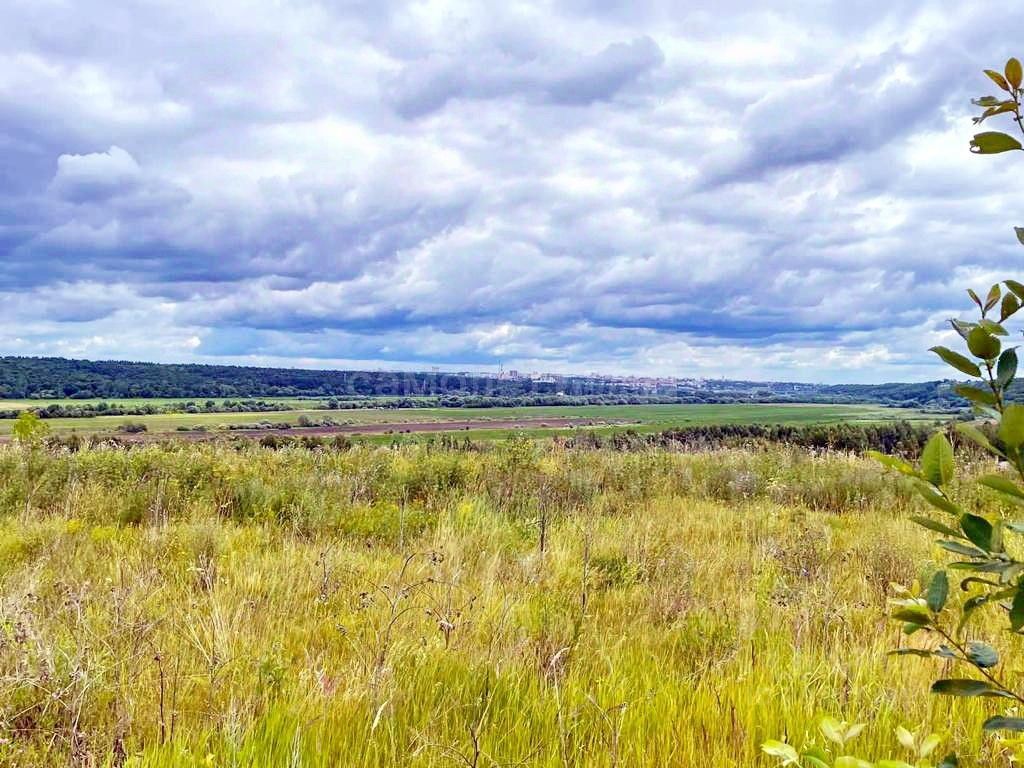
(95, 177)
(744, 190)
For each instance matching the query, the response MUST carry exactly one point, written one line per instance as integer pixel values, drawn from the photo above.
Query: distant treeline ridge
(52, 378)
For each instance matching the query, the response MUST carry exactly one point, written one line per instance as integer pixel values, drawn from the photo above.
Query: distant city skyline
(760, 191)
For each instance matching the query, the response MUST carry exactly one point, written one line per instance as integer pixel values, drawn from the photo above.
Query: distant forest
(56, 377)
(52, 378)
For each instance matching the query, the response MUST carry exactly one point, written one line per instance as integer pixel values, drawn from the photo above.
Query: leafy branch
(991, 574)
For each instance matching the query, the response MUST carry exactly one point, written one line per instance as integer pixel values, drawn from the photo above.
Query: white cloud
(738, 189)
(95, 176)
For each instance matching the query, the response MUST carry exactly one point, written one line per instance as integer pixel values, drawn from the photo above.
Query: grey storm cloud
(774, 191)
(426, 86)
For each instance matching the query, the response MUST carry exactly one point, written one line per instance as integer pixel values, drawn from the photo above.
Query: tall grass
(215, 606)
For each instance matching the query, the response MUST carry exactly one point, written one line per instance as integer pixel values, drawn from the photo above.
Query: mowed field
(492, 422)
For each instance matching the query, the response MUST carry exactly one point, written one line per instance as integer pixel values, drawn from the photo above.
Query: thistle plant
(988, 572)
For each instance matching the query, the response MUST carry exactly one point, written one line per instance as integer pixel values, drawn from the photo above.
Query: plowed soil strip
(403, 427)
(383, 428)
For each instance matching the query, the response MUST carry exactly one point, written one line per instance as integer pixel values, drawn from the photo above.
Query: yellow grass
(206, 606)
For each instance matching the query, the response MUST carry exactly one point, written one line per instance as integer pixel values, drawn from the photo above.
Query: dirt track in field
(391, 428)
(399, 428)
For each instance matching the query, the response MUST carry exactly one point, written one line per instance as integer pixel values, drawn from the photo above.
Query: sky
(754, 190)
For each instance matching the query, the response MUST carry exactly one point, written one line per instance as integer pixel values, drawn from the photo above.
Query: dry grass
(213, 607)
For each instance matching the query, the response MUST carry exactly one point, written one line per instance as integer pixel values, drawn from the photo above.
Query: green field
(644, 418)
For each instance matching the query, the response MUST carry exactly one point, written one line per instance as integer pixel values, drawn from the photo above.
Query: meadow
(518, 604)
(644, 418)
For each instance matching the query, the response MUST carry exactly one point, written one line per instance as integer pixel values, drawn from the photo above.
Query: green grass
(657, 418)
(198, 605)
(642, 417)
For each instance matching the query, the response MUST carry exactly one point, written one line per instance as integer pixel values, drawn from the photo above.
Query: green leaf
(967, 687)
(1017, 610)
(949, 761)
(937, 465)
(982, 655)
(938, 591)
(997, 545)
(993, 142)
(1012, 71)
(933, 525)
(975, 435)
(779, 749)
(975, 298)
(1007, 367)
(1013, 285)
(958, 361)
(1011, 572)
(978, 530)
(922, 652)
(992, 326)
(1001, 484)
(1011, 426)
(1001, 723)
(1011, 303)
(893, 462)
(966, 583)
(849, 761)
(962, 327)
(998, 79)
(983, 344)
(994, 293)
(912, 616)
(997, 109)
(1020, 234)
(936, 499)
(975, 394)
(960, 549)
(816, 757)
(986, 101)
(999, 566)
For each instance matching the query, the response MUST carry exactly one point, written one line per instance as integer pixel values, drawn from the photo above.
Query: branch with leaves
(987, 571)
(991, 572)
(1009, 103)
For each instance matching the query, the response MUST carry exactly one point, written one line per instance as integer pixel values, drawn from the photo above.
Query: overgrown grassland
(526, 605)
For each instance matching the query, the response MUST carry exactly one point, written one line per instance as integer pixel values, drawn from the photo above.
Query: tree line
(38, 378)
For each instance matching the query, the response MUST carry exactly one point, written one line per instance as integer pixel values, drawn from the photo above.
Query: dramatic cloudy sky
(751, 189)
